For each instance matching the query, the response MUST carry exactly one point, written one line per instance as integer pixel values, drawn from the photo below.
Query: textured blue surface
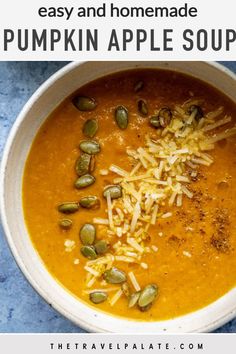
(22, 309)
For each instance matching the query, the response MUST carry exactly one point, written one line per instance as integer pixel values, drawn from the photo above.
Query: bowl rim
(3, 218)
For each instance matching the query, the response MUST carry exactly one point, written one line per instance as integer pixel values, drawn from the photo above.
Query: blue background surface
(21, 308)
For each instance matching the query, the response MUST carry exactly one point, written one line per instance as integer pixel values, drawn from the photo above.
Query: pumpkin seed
(97, 297)
(155, 121)
(68, 208)
(90, 128)
(142, 107)
(114, 190)
(91, 147)
(148, 294)
(88, 252)
(134, 299)
(87, 234)
(145, 308)
(82, 165)
(165, 116)
(101, 247)
(114, 276)
(84, 181)
(126, 289)
(198, 112)
(121, 117)
(138, 86)
(84, 103)
(90, 202)
(65, 224)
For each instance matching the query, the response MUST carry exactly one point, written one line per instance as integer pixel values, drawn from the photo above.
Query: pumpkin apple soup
(129, 194)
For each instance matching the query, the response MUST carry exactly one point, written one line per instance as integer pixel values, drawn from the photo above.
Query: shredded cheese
(182, 179)
(92, 271)
(187, 192)
(166, 215)
(136, 214)
(109, 207)
(91, 282)
(187, 254)
(69, 245)
(135, 169)
(135, 245)
(217, 124)
(100, 221)
(106, 290)
(103, 172)
(144, 265)
(172, 198)
(124, 259)
(134, 281)
(222, 136)
(179, 200)
(118, 170)
(116, 297)
(154, 214)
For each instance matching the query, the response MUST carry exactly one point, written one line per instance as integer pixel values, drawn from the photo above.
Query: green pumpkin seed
(87, 234)
(90, 128)
(134, 298)
(138, 86)
(83, 103)
(101, 247)
(91, 147)
(82, 165)
(90, 202)
(155, 121)
(165, 116)
(84, 181)
(142, 107)
(148, 295)
(97, 297)
(88, 252)
(145, 308)
(121, 117)
(114, 276)
(65, 224)
(68, 208)
(126, 289)
(115, 191)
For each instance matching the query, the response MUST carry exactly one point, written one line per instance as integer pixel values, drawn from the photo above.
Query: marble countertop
(22, 309)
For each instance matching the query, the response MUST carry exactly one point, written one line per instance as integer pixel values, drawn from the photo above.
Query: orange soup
(128, 194)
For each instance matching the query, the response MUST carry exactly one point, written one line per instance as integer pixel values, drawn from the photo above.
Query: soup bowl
(41, 104)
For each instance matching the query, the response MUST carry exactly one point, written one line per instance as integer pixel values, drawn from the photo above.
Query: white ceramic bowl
(45, 99)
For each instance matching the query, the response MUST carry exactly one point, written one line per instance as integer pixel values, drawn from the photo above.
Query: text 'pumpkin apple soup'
(129, 190)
